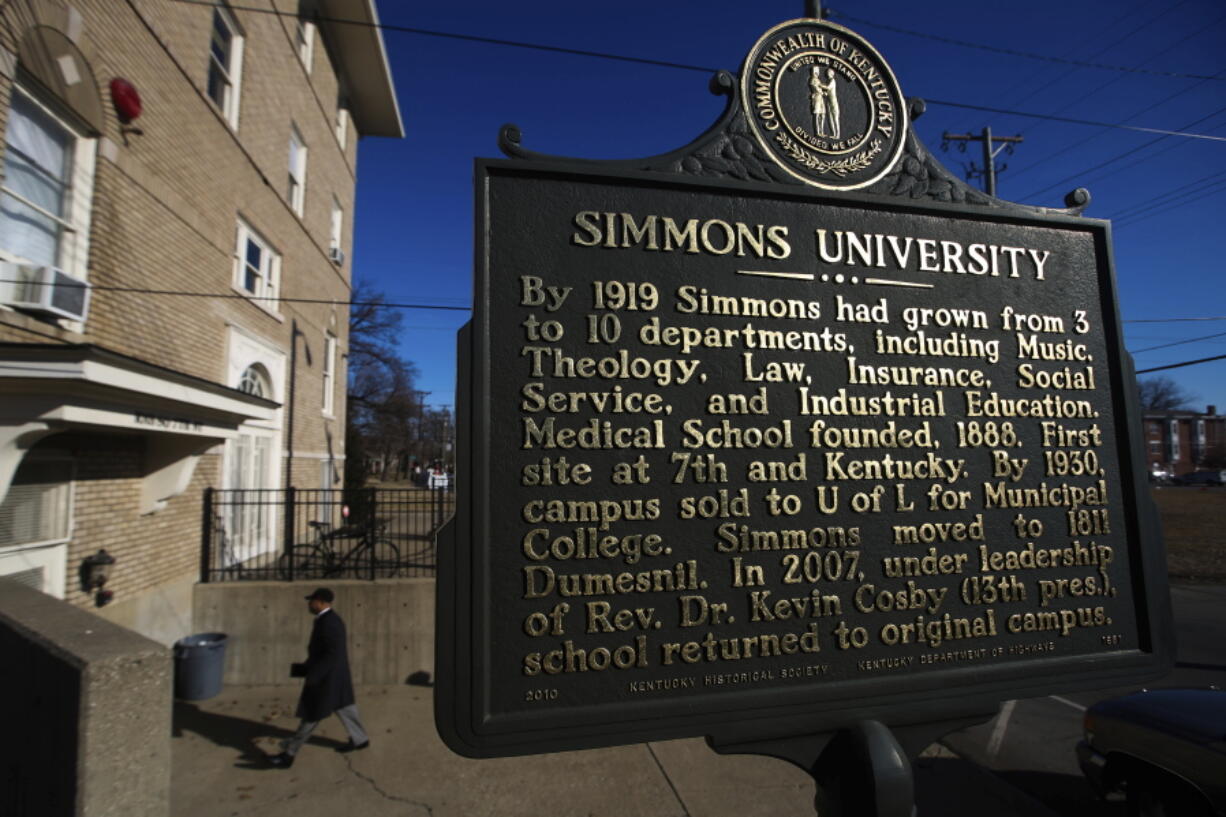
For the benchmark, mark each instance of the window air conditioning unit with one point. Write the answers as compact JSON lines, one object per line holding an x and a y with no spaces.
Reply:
{"x":44,"y":289}
{"x":337,"y":255}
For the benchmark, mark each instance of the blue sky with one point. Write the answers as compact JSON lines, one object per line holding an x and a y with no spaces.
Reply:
{"x":1165,"y":196}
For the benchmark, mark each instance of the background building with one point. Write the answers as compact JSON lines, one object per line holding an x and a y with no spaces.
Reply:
{"x":1180,"y":442}
{"x":175,"y":222}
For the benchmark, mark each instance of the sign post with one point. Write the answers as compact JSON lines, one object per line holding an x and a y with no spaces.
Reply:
{"x":789,"y":439}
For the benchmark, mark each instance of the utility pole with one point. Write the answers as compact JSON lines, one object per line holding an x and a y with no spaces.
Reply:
{"x":988,"y":171}
{"x":813,"y":8}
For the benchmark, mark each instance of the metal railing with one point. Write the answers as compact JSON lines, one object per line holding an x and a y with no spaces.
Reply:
{"x":294,"y":534}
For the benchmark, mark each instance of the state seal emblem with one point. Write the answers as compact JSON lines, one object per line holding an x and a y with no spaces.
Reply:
{"x":824,"y":104}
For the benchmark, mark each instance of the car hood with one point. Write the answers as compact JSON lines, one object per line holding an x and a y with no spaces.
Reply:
{"x":1198,"y":714}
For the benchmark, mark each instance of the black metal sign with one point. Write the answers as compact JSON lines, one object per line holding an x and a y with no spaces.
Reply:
{"x":755,"y":457}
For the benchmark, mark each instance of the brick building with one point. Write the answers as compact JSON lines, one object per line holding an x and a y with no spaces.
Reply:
{"x":150,"y":343}
{"x":1181,"y":442}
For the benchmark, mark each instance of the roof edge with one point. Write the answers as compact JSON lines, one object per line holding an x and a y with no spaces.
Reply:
{"x":356,"y":34}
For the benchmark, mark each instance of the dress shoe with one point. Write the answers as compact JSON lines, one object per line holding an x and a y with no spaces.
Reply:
{"x":281,"y":761}
{"x":353,"y":747}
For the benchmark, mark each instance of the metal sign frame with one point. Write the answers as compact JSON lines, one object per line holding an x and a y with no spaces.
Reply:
{"x":724,"y":164}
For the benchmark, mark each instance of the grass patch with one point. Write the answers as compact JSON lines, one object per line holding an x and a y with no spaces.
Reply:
{"x":1194,"y":528}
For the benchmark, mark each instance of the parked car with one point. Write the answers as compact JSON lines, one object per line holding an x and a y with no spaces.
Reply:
{"x":1214,"y":477}
{"x":1165,"y":749}
{"x":1161,"y":476}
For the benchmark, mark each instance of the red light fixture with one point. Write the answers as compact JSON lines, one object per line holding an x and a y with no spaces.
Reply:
{"x":126,"y":99}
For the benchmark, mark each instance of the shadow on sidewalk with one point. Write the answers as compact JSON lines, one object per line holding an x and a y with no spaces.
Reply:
{"x":239,"y":734}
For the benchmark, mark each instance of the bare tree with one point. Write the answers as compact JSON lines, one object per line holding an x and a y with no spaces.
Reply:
{"x":1164,"y":394}
{"x":382,"y":401}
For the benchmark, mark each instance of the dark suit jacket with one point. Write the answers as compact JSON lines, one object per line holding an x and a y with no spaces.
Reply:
{"x":328,"y":686}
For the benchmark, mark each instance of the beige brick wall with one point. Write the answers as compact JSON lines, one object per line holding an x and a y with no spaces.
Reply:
{"x":167,"y":200}
{"x":165,"y":208}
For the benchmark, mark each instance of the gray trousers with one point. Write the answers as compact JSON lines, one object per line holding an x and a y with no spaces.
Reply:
{"x":348,"y":716}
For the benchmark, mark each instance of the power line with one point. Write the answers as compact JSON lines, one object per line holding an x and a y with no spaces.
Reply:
{"x":666,"y":64}
{"x":1163,"y":101}
{"x":226,"y":295}
{"x":1113,"y":80}
{"x":1178,"y":343}
{"x":1017,"y":86}
{"x":468,"y":37}
{"x":1213,"y":190}
{"x":1071,"y":121}
{"x":337,"y":302}
{"x":1175,"y":320}
{"x":1181,"y":365}
{"x":1081,"y":175}
{"x":1013,"y":52}
{"x":1202,"y":183}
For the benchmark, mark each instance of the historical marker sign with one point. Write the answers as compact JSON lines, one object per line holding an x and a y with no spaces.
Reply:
{"x":765,"y":459}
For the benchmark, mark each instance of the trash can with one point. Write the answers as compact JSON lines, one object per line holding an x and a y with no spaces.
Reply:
{"x":200,"y":661}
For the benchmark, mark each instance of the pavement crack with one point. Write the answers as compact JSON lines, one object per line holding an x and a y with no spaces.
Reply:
{"x":669,"y":780}
{"x":385,"y":795}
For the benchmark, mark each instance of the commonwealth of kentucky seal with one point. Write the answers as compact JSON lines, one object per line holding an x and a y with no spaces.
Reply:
{"x":824,"y":104}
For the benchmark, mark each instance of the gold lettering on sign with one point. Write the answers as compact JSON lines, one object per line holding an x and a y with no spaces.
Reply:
{"x":743,"y":444}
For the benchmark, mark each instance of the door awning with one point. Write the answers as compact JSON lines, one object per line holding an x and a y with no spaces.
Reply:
{"x":51,"y":388}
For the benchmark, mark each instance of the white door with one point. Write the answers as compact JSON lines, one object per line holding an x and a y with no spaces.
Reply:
{"x":250,"y":517}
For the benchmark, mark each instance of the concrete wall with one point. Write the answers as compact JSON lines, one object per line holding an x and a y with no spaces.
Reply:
{"x":86,"y":706}
{"x":390,"y":625}
{"x":163,"y":613}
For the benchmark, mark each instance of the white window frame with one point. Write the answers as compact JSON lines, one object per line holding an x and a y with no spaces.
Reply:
{"x":297,"y":171}
{"x":329,"y":373}
{"x":342,"y":122}
{"x":66,"y":502}
{"x":1173,"y":427}
{"x":231,"y":73}
{"x":72,"y":244}
{"x":48,"y":556}
{"x":267,"y":284}
{"x":336,"y":232}
{"x":304,"y":36}
{"x":252,"y":529}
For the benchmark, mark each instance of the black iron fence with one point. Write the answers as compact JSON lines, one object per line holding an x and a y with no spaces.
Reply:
{"x":294,"y":533}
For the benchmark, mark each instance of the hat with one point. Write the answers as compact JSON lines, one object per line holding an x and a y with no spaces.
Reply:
{"x":321,"y":593}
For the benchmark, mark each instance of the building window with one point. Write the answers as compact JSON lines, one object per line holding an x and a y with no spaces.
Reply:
{"x":328,"y":508}
{"x":342,"y":122}
{"x":304,"y":37}
{"x":249,"y":526}
{"x":38,"y":506}
{"x":297,"y":171}
{"x":1173,"y":427}
{"x":329,"y":368}
{"x":255,"y":381}
{"x":47,"y":186}
{"x":336,"y":233}
{"x":257,"y":268}
{"x":225,"y":64}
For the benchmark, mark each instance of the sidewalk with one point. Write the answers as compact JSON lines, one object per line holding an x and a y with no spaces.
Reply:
{"x":219,"y":769}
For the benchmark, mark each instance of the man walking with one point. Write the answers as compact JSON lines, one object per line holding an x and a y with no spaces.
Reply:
{"x":328,"y":686}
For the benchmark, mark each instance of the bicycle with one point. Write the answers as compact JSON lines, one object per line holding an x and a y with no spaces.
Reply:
{"x":321,"y":559}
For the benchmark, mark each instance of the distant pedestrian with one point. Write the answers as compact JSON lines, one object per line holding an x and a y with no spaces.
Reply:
{"x":328,"y":687}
